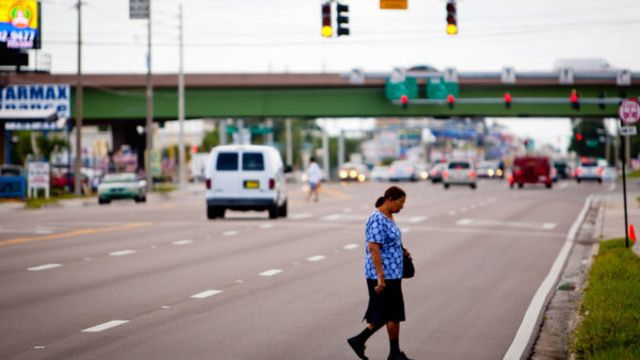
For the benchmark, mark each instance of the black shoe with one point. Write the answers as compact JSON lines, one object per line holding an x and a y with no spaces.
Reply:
{"x":357,"y":347}
{"x":400,"y":356}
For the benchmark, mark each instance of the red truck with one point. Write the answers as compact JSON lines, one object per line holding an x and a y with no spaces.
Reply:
{"x":531,"y":170}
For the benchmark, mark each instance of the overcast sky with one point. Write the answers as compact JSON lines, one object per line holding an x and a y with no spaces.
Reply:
{"x":284,"y":35}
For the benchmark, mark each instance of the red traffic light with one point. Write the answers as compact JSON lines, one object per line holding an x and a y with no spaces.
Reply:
{"x":451,"y":100}
{"x":404,"y":100}
{"x":579,"y":136}
{"x":507,"y":99}
{"x":575,"y":99}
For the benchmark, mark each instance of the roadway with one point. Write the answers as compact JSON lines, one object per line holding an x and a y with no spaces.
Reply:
{"x":158,"y":280}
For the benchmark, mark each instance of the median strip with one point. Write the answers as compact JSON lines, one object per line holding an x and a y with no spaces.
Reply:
{"x":74,"y":233}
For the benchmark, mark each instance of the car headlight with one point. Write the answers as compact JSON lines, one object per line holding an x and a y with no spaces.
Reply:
{"x":343,"y":174}
{"x":362,"y":178}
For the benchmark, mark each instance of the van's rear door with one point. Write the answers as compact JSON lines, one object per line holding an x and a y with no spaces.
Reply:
{"x":254,"y":174}
{"x":226,"y":174}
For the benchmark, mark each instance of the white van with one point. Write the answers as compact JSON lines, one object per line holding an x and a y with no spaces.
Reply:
{"x":245,"y":177}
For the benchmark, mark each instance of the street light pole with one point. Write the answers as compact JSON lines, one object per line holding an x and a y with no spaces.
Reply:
{"x":181,"y":160}
{"x":77,"y":168}
{"x":149,"y":122}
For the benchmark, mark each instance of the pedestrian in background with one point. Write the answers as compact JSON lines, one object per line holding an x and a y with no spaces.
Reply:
{"x":314,"y":176}
{"x":383,"y":270}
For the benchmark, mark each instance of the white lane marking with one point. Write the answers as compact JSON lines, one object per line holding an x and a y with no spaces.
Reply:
{"x":44,"y":267}
{"x":480,"y":222}
{"x":105,"y":326}
{"x":122,"y":253}
{"x":563,"y":186}
{"x":332,"y":217}
{"x":473,"y":206}
{"x":206,"y":294}
{"x":299,"y":216}
{"x":405,"y":230}
{"x":416,"y":219}
{"x":165,"y":307}
{"x":533,"y":316}
{"x":351,"y":246}
{"x":316,"y":258}
{"x":182,"y":242}
{"x":451,"y":213}
{"x":39,"y":347}
{"x":230,"y":233}
{"x":270,"y":272}
{"x":26,"y":231}
{"x":266,"y":226}
{"x":239,"y":281}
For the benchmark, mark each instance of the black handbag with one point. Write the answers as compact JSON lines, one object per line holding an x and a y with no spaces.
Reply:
{"x":408,"y":270}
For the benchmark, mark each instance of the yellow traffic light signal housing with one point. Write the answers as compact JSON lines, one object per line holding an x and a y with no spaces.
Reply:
{"x":327,"y":29}
{"x":452,"y":18}
{"x":342,"y":18}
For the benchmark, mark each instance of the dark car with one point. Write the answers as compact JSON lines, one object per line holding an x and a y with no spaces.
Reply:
{"x":531,"y":170}
{"x":562,"y":170}
{"x":435,"y":173}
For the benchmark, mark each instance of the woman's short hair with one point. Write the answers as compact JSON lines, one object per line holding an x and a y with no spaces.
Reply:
{"x":392,"y":193}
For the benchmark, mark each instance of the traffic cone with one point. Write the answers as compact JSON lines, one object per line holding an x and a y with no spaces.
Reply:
{"x":632,"y":233}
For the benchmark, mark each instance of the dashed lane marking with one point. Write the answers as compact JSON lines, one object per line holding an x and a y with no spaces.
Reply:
{"x":182,"y":242}
{"x":73,"y":233}
{"x":105,"y":326}
{"x":230,"y":233}
{"x":416,"y":219}
{"x":316,"y":258}
{"x":122,"y":253}
{"x":44,"y":267}
{"x":266,"y":226}
{"x":270,"y":272}
{"x":206,"y":294}
{"x":351,"y":246}
{"x":480,"y":222}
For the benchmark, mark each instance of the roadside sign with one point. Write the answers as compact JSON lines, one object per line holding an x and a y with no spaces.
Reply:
{"x":138,"y":9}
{"x":629,"y":111}
{"x":628,"y":130}
{"x":38,"y":178}
{"x":393,"y":4}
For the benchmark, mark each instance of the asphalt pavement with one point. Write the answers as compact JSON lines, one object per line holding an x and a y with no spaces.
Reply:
{"x":159,"y":280}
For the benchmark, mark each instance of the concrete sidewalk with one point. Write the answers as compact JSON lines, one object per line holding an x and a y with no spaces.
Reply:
{"x":612,"y":217}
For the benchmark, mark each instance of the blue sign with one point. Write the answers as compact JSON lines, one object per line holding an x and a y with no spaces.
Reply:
{"x":38,"y":97}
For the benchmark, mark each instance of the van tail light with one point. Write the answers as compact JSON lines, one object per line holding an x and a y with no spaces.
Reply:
{"x":272,"y":184}
{"x":445,"y":174}
{"x":208,"y":182}
{"x":600,"y":171}
{"x":579,"y":171}
{"x":472,"y":174}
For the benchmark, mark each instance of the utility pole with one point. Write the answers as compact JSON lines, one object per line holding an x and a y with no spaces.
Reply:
{"x":325,"y":152}
{"x":289,"y":142}
{"x":181,"y":159}
{"x":341,"y":149}
{"x":77,"y":168}
{"x":149,"y":122}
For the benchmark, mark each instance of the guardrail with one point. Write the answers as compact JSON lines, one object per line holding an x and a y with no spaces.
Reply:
{"x":13,"y":187}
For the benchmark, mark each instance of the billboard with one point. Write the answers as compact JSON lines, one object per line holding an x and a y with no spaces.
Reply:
{"x":20,"y":24}
{"x":37,"y":97}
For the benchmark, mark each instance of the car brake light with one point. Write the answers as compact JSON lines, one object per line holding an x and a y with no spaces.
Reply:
{"x":208,"y":182}
{"x":272,"y":184}
{"x":579,"y":171}
{"x":445,"y":174}
{"x":472,"y":174}
{"x":600,"y":171}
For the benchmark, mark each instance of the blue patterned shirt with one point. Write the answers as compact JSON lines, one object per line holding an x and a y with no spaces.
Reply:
{"x":381,"y":230}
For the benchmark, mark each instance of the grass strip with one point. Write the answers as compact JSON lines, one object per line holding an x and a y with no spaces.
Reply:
{"x":610,"y":328}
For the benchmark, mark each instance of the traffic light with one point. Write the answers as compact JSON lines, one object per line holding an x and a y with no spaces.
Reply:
{"x":575,"y":99}
{"x":601,"y":103}
{"x":404,"y":100}
{"x":579,"y":137}
{"x":452,"y":18}
{"x":451,"y":100}
{"x":342,"y":19}
{"x":327,"y":30}
{"x":507,"y":100}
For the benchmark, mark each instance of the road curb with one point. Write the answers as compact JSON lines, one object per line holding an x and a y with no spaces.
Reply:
{"x":523,"y":342}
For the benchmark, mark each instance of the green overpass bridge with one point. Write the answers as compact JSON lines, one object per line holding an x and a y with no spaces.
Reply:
{"x":114,"y":98}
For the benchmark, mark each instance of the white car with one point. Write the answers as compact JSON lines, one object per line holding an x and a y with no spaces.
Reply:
{"x":402,"y":170}
{"x":245,"y":177}
{"x":459,"y":172}
{"x":122,"y":186}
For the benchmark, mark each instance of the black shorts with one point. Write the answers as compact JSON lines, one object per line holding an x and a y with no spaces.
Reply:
{"x":386,"y":306}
